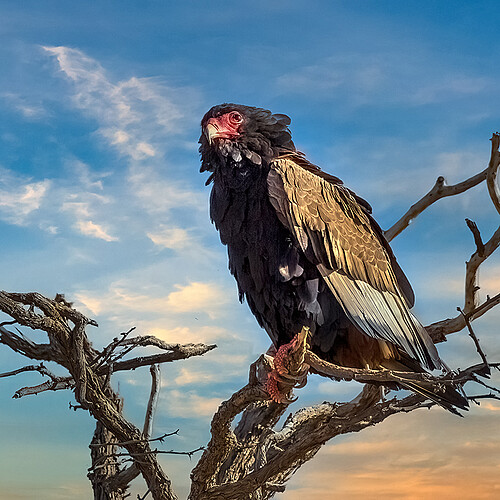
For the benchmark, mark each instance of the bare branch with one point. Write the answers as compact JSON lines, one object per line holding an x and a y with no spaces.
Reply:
{"x":471,"y":309}
{"x":181,"y":352}
{"x":135,"y":441}
{"x":491,"y":179}
{"x":363,"y":375}
{"x":483,"y":396}
{"x":54,"y":384}
{"x":31,"y":368}
{"x":26,"y":347}
{"x":301,"y":438}
{"x":438,"y":191}
{"x":69,"y":346}
{"x":223,"y":438}
{"x":477,"y":236}
{"x":150,"y":340}
{"x":110,"y":348}
{"x":472,"y":335}
{"x":440,"y":329}
{"x":248,"y":459}
{"x":49,"y":385}
{"x":148,"y":453}
{"x":153,"y":399}
{"x":80,"y":369}
{"x":388,"y":376}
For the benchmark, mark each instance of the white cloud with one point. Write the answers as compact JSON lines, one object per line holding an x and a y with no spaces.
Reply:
{"x":141,"y":119}
{"x":92,"y":303}
{"x":134,"y":115}
{"x":93,"y":230}
{"x":175,"y":238}
{"x":30,"y":110}
{"x":203,"y":334}
{"x":202,"y":297}
{"x":120,"y":298}
{"x":131,"y":296}
{"x":490,"y":407}
{"x":190,"y":404}
{"x":449,"y":87}
{"x":49,"y":228}
{"x":88,"y":179}
{"x":19,"y":197}
{"x":193,"y":377}
{"x":158,"y":195}
{"x":85,"y":207}
{"x":456,"y":166}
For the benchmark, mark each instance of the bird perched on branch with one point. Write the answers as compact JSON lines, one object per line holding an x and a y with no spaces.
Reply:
{"x":306,"y":252}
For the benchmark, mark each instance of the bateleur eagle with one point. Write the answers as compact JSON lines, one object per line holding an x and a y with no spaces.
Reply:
{"x":306,"y":252}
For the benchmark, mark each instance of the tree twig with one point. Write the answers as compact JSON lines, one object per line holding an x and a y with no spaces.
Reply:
{"x":473,"y":336}
{"x":492,"y":172}
{"x":153,"y":399}
{"x":438,"y":191}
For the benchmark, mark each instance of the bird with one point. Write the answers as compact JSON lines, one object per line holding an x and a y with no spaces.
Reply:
{"x":306,"y":251}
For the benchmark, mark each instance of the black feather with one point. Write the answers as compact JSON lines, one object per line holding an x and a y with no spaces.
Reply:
{"x":305,"y":251}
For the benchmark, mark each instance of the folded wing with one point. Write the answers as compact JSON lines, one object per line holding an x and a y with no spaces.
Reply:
{"x":337,"y":234}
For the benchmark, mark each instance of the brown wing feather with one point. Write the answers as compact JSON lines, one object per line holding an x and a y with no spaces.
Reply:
{"x":336,"y":234}
{"x":335,"y":222}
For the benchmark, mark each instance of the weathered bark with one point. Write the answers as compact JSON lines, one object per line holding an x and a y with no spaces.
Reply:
{"x":89,"y":373}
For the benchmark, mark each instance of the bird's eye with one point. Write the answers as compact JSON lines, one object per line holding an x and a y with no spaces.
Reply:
{"x":235,"y":117}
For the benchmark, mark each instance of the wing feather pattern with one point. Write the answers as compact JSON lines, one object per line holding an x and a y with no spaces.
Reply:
{"x":337,"y":234}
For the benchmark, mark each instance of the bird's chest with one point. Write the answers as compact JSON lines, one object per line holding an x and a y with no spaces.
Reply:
{"x":248,"y":225}
{"x":241,"y":211}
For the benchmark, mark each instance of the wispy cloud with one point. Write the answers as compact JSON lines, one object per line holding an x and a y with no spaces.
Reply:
{"x":127,"y":296}
{"x":138,"y":118}
{"x":134,"y":115}
{"x":174,"y":238}
{"x":30,"y":110}
{"x":84,"y":207}
{"x":52,"y":204}
{"x":20,"y":197}
{"x":190,"y":404}
{"x":122,"y":299}
{"x":202,"y":333}
{"x":197,"y":297}
{"x":93,"y":230}
{"x":159,"y":195}
{"x":362,"y":78}
{"x":196,"y":377}
{"x":88,"y":179}
{"x":141,"y":119}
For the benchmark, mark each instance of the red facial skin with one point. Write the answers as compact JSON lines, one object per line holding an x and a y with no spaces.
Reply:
{"x":225,"y":126}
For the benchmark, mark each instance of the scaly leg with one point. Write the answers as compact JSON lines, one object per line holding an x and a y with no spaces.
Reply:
{"x":289,"y":369}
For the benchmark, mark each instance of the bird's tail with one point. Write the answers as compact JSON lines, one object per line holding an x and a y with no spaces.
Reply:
{"x":449,"y":397}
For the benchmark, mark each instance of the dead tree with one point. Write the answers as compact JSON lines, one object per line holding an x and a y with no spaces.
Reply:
{"x":89,"y":376}
{"x":255,"y":460}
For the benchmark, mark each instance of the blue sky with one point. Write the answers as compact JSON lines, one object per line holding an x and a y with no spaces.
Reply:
{"x":101,"y":199}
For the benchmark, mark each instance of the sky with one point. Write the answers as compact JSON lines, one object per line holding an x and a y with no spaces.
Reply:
{"x":101,"y":199}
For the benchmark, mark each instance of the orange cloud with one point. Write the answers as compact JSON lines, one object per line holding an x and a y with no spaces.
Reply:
{"x":423,"y":455}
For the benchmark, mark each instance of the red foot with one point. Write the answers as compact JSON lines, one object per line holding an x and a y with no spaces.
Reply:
{"x":271,"y":387}
{"x":289,"y":369}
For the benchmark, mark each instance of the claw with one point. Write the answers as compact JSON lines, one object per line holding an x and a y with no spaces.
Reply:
{"x":289,"y":369}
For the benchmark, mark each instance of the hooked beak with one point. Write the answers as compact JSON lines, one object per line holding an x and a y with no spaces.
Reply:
{"x":211,"y":132}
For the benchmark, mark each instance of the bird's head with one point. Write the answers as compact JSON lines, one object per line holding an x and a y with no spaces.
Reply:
{"x":242,"y":133}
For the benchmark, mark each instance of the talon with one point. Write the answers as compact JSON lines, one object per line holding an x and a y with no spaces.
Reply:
{"x":288,"y":369}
